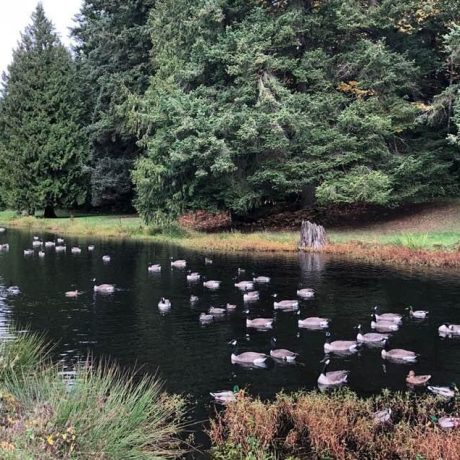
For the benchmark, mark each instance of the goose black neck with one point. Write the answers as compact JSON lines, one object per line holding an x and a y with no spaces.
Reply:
{"x":326,"y":365}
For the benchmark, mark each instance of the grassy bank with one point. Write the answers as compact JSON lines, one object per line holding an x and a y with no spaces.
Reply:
{"x":101,"y":413}
{"x":335,"y":426}
{"x":431,"y":239}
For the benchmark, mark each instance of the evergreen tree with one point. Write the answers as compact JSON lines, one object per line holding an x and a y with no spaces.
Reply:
{"x":42,"y":148}
{"x":113,"y":59}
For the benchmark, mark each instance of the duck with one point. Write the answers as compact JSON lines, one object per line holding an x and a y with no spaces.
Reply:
{"x":392,"y":317}
{"x":206,"y":318}
{"x":35,"y":238}
{"x":91,"y":247}
{"x":417,"y":380}
{"x":259,"y":323}
{"x":313,"y":322}
{"x":217,"y":311}
{"x":248,"y":357}
{"x":104,"y":288}
{"x":306,"y":293}
{"x":106,"y":258}
{"x":2,"y":229}
{"x":75,"y":250}
{"x":286,"y":305}
{"x":50,"y":244}
{"x":207,"y":261}
{"x":194,"y":299}
{"x":36,"y":243}
{"x":60,"y":240}
{"x":398,"y":354}
{"x":383,"y":326}
{"x":448,"y":423}
{"x":382,"y":416}
{"x":225,"y":396}
{"x":340,"y":346}
{"x":178,"y":263}
{"x":28,"y":252}
{"x":281,"y":353}
{"x":73,"y":294}
{"x":443,"y":391}
{"x":417,"y":314}
{"x":60,"y":248}
{"x":4,"y":247}
{"x":332,"y":378}
{"x":371,"y":337}
{"x":230,"y":307}
{"x":193,"y":276}
{"x":449,"y":329}
{"x":154,"y":268}
{"x":164,"y":303}
{"x":245,"y":285}
{"x":212,"y":284}
{"x":251,"y":296}
{"x":41,"y":253}
{"x":261,"y":279}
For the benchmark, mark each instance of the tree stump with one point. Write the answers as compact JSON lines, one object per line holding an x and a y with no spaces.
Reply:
{"x":312,"y":236}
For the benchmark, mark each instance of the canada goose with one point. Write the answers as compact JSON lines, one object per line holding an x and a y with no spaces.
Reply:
{"x":103,"y":288}
{"x":106,"y":258}
{"x":212,"y":284}
{"x":154,"y":268}
{"x":282,"y":353}
{"x":333,"y":378}
{"x":286,"y":305}
{"x":226,"y":396}
{"x":178,"y":263}
{"x":449,"y":329}
{"x":382,"y":416}
{"x":383,"y":326}
{"x":230,"y":307}
{"x":251,"y":296}
{"x":444,"y":391}
{"x":73,"y":294}
{"x":41,"y":253}
{"x":28,"y":252}
{"x":60,"y":240}
{"x":398,"y":354}
{"x":207,"y":261}
{"x":306,"y":293}
{"x":194,"y":299}
{"x":449,"y":422}
{"x":75,"y":250}
{"x":245,"y":285}
{"x":13,"y":290}
{"x":248,"y":357}
{"x":206,"y":318}
{"x":314,"y":322}
{"x":193,"y":276}
{"x":261,"y":279}
{"x":371,"y":337}
{"x":217,"y":311}
{"x":339,"y":346}
{"x":418,"y":314}
{"x":417,"y":380}
{"x":50,"y":244}
{"x":91,"y":247}
{"x":60,"y":248}
{"x":164,"y":303}
{"x":259,"y":323}
{"x":36,"y":244}
{"x":392,"y":317}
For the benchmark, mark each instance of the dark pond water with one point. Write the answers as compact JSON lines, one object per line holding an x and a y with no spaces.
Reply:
{"x":193,"y":359}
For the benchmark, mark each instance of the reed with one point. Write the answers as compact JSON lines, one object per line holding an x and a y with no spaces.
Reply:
{"x":101,"y":413}
{"x":338,"y":425}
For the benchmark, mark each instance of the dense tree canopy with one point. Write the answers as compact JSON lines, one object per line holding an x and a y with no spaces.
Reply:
{"x":42,"y":148}
{"x":113,"y":59}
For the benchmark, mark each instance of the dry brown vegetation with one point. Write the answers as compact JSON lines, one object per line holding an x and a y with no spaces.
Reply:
{"x":334,"y":426}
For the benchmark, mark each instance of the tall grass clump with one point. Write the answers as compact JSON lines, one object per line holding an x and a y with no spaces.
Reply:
{"x":102,"y":413}
{"x":337,"y":425}
{"x":412,"y":241}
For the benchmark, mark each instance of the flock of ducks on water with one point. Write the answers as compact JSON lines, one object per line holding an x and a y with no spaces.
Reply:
{"x":383,"y":323}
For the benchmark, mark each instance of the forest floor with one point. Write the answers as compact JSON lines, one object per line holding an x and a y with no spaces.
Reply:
{"x":418,"y":235}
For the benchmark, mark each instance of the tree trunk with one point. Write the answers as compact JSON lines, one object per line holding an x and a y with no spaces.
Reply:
{"x":49,"y":212}
{"x":312,"y":236}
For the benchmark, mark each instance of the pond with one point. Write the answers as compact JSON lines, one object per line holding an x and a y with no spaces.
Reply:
{"x":194,"y":359}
